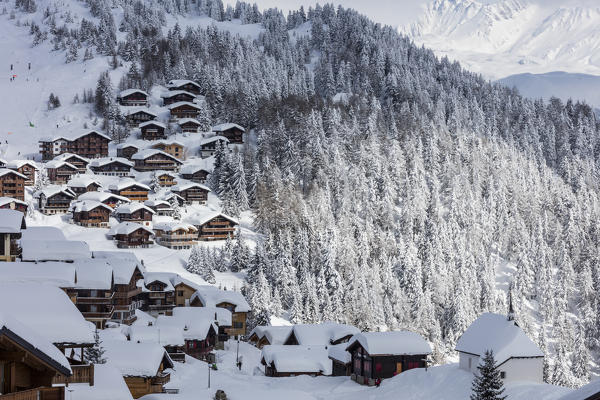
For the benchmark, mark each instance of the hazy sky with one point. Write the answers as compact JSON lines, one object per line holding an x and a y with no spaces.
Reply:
{"x":389,"y":12}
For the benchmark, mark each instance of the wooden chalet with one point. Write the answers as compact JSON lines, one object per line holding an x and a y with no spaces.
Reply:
{"x":189,"y":125}
{"x":184,"y":290}
{"x":154,"y":160}
{"x":170,"y":337}
{"x":172,"y":147}
{"x":110,"y":199}
{"x":160,"y":207}
{"x":381,"y":355}
{"x":112,"y":166}
{"x":201,"y":329}
{"x":233,"y":301}
{"x":126,"y":150}
{"x":53,"y":146}
{"x":195,"y":173}
{"x":214,"y":225}
{"x":131,"y":234}
{"x":83,"y":184}
{"x":143,"y":365}
{"x":29,"y":363}
{"x":286,"y":361}
{"x":153,"y":130}
{"x":24,"y":167}
{"x":262,"y":336}
{"x":11,"y":224}
{"x":165,"y":178}
{"x":174,"y":197}
{"x":60,"y":172}
{"x":135,"y":212}
{"x":158,"y":294}
{"x":131,"y":189}
{"x":176,"y":235}
{"x":91,"y":214}
{"x":9,"y":203}
{"x":54,"y":200}
{"x":233,"y":132}
{"x":208,"y":146}
{"x":138,"y":116}
{"x":132,"y":97}
{"x":12,"y":184}
{"x":91,"y":144}
{"x":79,"y":162}
{"x":176,"y":96}
{"x":184,"y":109}
{"x":193,"y":193}
{"x":184,"y":85}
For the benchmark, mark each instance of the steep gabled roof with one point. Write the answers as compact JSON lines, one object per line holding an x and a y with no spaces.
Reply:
{"x":322,"y":334}
{"x":226,"y":126}
{"x":100,"y":162}
{"x":53,"y":190}
{"x":175,"y":83}
{"x":173,"y":226}
{"x":391,"y":343}
{"x":66,"y":156}
{"x":173,"y":93}
{"x":144,"y":154}
{"x":132,"y":207}
{"x":214,"y":139}
{"x":125,"y":183}
{"x":6,"y":171}
{"x":127,"y":228}
{"x":155,"y":123}
{"x":193,"y":168}
{"x":204,"y":216}
{"x":82,"y":181}
{"x":190,"y":185}
{"x":183,"y":103}
{"x":7,"y":200}
{"x":129,"y":92}
{"x":11,"y":221}
{"x":297,"y":359}
{"x":89,"y":205}
{"x":495,"y":332}
{"x":60,"y":163}
{"x":102,"y":197}
{"x":211,"y":296}
{"x":135,"y":110}
{"x":15,"y":164}
{"x":188,"y":121}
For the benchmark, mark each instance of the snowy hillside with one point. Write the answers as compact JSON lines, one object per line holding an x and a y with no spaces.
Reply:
{"x":504,"y":37}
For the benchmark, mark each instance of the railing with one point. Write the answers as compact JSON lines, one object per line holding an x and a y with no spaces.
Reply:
{"x":80,"y":374}
{"x":131,"y":293}
{"x":94,"y":300}
{"x":97,"y":314}
{"x":52,"y":393}
{"x":161,"y":379}
{"x":179,"y":357}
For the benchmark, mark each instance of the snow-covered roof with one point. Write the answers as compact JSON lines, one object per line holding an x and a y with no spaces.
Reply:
{"x":57,"y":274}
{"x":391,"y":343}
{"x":143,"y":318}
{"x":205,"y":215}
{"x":11,"y":221}
{"x":495,"y":332}
{"x":82,"y":181}
{"x":183,"y":103}
{"x":140,"y":109}
{"x":132,"y":207}
{"x":214,"y":314}
{"x":180,"y":82}
{"x":127,"y":228}
{"x":89,"y":205}
{"x":101,"y":162}
{"x":226,"y":126}
{"x":93,"y":274}
{"x":136,"y":359}
{"x":7,"y":200}
{"x":194,"y":324}
{"x":80,"y":135}
{"x":274,"y":334}
{"x":210,"y":296}
{"x":163,"y":277}
{"x":172,"y":93}
{"x":163,"y":335}
{"x":189,"y":185}
{"x":585,"y":392}
{"x":296,"y":359}
{"x":171,"y":226}
{"x":42,"y":233}
{"x":213,"y":139}
{"x":6,"y":171}
{"x":168,"y":143}
{"x":156,"y":123}
{"x":108,"y":384}
{"x":54,"y":250}
{"x":144,"y":154}
{"x":66,"y":156}
{"x":322,"y":334}
{"x":126,"y":145}
{"x":128,"y":92}
{"x":193,"y":168}
{"x":31,"y":340}
{"x":188,"y":121}
{"x":125,"y":183}
{"x":48,"y":311}
{"x":123,"y":264}
{"x":338,"y":352}
{"x":53,"y":190}
{"x":102,"y":196}
{"x":156,"y":203}
{"x":60,"y":163}
{"x":15,"y":164}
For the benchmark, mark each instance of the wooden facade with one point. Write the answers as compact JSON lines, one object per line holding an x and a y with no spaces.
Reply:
{"x":9,"y":245}
{"x":217,"y":228}
{"x":184,"y":85}
{"x":112,"y":167}
{"x":177,"y":238}
{"x":51,"y":147}
{"x":189,"y":125}
{"x":175,"y":149}
{"x":166,"y":179}
{"x":184,"y":110}
{"x":61,"y":173}
{"x":27,"y":169}
{"x":153,"y":130}
{"x":176,"y":96}
{"x":56,"y":203}
{"x":12,"y":184}
{"x":138,"y":238}
{"x":142,"y":216}
{"x":200,"y":349}
{"x":158,"y":299}
{"x":133,"y":192}
{"x":96,"y":306}
{"x":198,"y":176}
{"x":157,"y":161}
{"x":8,"y":203}
{"x":133,"y":97}
{"x":96,"y":217}
{"x":90,"y":145}
{"x":81,"y":189}
{"x":192,"y":194}
{"x":367,"y":368}
{"x":138,"y":117}
{"x":127,"y":150}
{"x":127,"y":299}
{"x":79,"y":162}
{"x":234,"y":133}
{"x":238,"y":319}
{"x":183,"y":294}
{"x":208,"y":147}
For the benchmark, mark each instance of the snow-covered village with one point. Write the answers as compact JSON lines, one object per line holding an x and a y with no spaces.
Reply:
{"x":212,"y":199}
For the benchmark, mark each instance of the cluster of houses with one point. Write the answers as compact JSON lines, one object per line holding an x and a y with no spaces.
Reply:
{"x":146,"y":320}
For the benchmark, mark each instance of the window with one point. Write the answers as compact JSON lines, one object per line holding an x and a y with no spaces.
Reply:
{"x":180,"y":293}
{"x":503,"y":374}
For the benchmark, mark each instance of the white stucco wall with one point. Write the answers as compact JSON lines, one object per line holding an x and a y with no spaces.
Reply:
{"x":516,"y":369}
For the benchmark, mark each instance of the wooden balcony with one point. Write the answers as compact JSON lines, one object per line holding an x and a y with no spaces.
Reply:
{"x":43,"y":393}
{"x":161,"y":379}
{"x":94,"y":300}
{"x":81,"y":374}
{"x":98,"y":315}
{"x":126,"y":295}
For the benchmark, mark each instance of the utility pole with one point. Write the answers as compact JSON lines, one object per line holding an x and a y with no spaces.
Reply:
{"x":208,"y":364}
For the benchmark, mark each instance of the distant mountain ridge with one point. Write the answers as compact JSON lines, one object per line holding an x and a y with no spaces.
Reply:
{"x":506,"y":37}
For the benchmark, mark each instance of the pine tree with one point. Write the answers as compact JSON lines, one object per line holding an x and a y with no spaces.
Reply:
{"x":95,"y":354}
{"x":487,"y":385}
